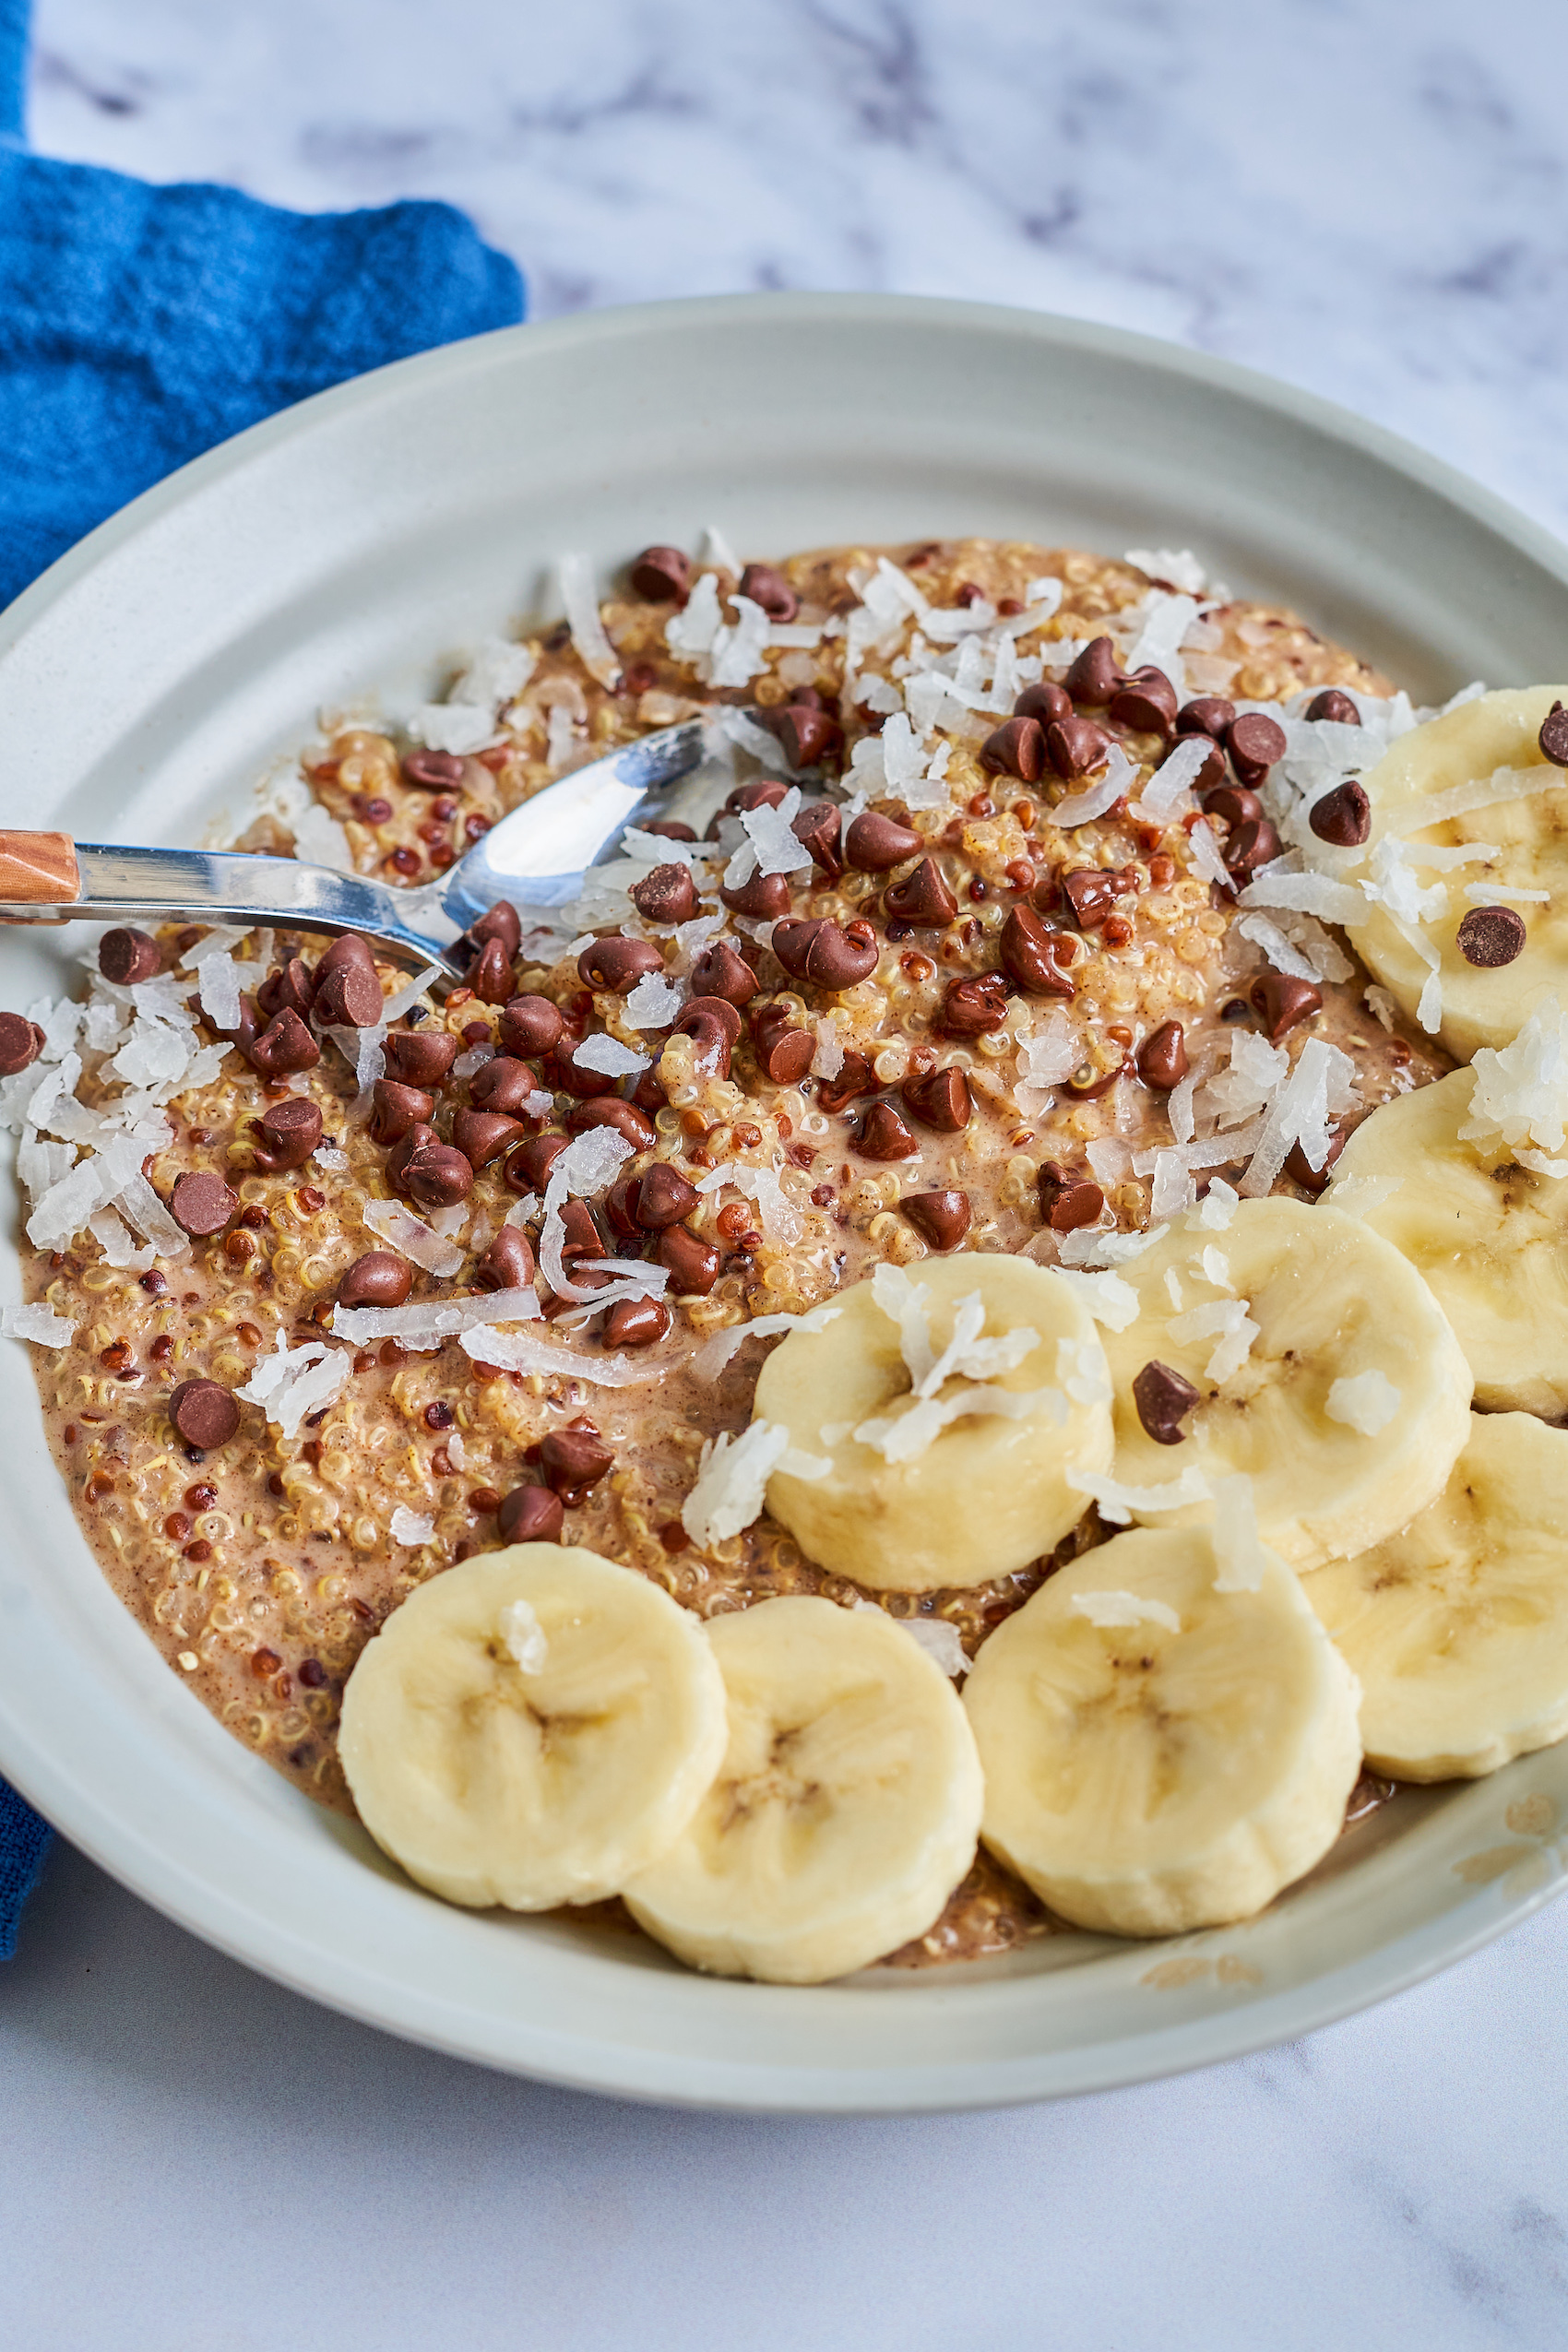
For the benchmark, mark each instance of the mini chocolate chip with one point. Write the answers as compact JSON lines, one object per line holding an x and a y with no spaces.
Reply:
{"x":350,"y":997}
{"x":507,"y":1264}
{"x":771,"y":590}
{"x":528,"y":1170}
{"x":764,"y":897}
{"x":940,"y":1218}
{"x":125,"y":955}
{"x":875,"y":844}
{"x":1094,"y":676}
{"x":1092,"y":893}
{"x":491,"y":978}
{"x":204,"y":1414}
{"x":809,"y":737}
{"x":1254,"y":744}
{"x":530,"y":1025}
{"x":349,"y":947}
{"x":693,"y":1264}
{"x":1016,"y":748}
{"x":606,"y":1110}
{"x":1162,"y":1057}
{"x":1300,"y":1170}
{"x":1252,"y":845}
{"x":783,"y":1049}
{"x":816,"y":830}
{"x":398,"y":1110}
{"x":853,"y":1078}
{"x":1235,"y":1008}
{"x":720,"y":970}
{"x":1342,"y":816}
{"x":1332,"y":704}
{"x":923,"y":899}
{"x":1491,"y":936}
{"x":1147,"y":703}
{"x":1282,"y":1002}
{"x":572,"y":1460}
{"x":662,"y":575}
{"x":1046,"y":703}
{"x":565,"y":1074}
{"x":762,"y":792}
{"x":433,"y":771}
{"x":1077,"y":747}
{"x":637,"y":1322}
{"x":21,"y":1042}
{"x":1553,"y":736}
{"x":1067,"y":1202}
{"x":1234,"y":803}
{"x":884,"y":1135}
{"x":618,"y":963}
{"x":293,"y":985}
{"x":290,"y":1132}
{"x":666,"y":895}
{"x":436,"y":1175}
{"x":1205,"y":715}
{"x":379,"y":1279}
{"x":483,"y":1135}
{"x":422,"y":1058}
{"x":662,"y":1197}
{"x":941,"y":1100}
{"x":669,"y":828}
{"x":531,"y":1514}
{"x":1164,"y":1400}
{"x":1030,"y":955}
{"x":830,"y":955}
{"x":500,"y":921}
{"x":975,"y":1006}
{"x":201,"y":1203}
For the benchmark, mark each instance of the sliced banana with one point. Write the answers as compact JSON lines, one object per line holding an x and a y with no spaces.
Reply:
{"x":1177,"y":1763}
{"x":907,"y":1505}
{"x":1489,"y":1237}
{"x":1331,"y":1302}
{"x":542,"y":1782}
{"x":1529,"y":833}
{"x":1457,"y":1628}
{"x":844,"y":1813}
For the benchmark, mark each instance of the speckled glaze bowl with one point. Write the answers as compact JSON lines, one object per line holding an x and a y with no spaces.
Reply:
{"x":359,"y":541}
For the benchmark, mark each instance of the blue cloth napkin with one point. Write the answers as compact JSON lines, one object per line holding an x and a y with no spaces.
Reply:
{"x":139,"y":326}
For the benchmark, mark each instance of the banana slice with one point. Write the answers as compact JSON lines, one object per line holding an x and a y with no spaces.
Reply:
{"x":1529,"y":835}
{"x":1347,"y":1408}
{"x":970,"y":1480}
{"x":532,"y":1728}
{"x":1158,"y":1756}
{"x":1458,"y":1628}
{"x":1489,"y":1237}
{"x":844,"y":1813}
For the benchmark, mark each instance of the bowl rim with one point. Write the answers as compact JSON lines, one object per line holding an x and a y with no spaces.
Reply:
{"x":161,"y":1877}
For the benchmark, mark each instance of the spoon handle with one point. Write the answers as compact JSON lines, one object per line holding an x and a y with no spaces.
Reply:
{"x":46,"y":877}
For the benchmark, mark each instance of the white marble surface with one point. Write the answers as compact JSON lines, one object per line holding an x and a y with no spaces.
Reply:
{"x":1364,"y":196}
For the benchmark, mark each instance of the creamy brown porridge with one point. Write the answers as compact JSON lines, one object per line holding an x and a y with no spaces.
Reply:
{"x":963,"y":1022}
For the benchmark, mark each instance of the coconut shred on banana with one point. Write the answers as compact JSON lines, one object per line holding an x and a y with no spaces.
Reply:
{"x":959,"y":1350}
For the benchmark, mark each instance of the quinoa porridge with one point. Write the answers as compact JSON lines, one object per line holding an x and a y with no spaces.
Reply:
{"x":998,"y":943}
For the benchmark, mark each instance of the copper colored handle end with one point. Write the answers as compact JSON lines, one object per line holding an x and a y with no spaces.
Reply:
{"x":39,"y":867}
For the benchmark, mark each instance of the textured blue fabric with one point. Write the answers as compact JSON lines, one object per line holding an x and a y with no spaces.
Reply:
{"x":140,"y":325}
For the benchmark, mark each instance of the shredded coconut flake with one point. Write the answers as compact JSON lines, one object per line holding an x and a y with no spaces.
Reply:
{"x":515,"y":1351}
{"x":1227,"y":1320}
{"x":428,"y":1323}
{"x":1366,"y":1401}
{"x":38,"y":1323}
{"x":732,"y":1481}
{"x":714,"y":1354}
{"x":1078,"y":808}
{"x":412,"y":1527}
{"x":1110,"y":1300}
{"x":1520,"y":1094}
{"x":577,"y":594}
{"x":297,"y":1380}
{"x":609,"y":1056}
{"x":1118,"y":1501}
{"x":411,"y":1237}
{"x":1115,"y":1609}
{"x":523,"y":1637}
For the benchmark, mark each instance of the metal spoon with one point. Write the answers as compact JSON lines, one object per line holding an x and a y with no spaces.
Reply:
{"x":535,"y":857}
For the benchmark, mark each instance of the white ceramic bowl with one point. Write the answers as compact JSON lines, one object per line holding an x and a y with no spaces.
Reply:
{"x":359,"y":540}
